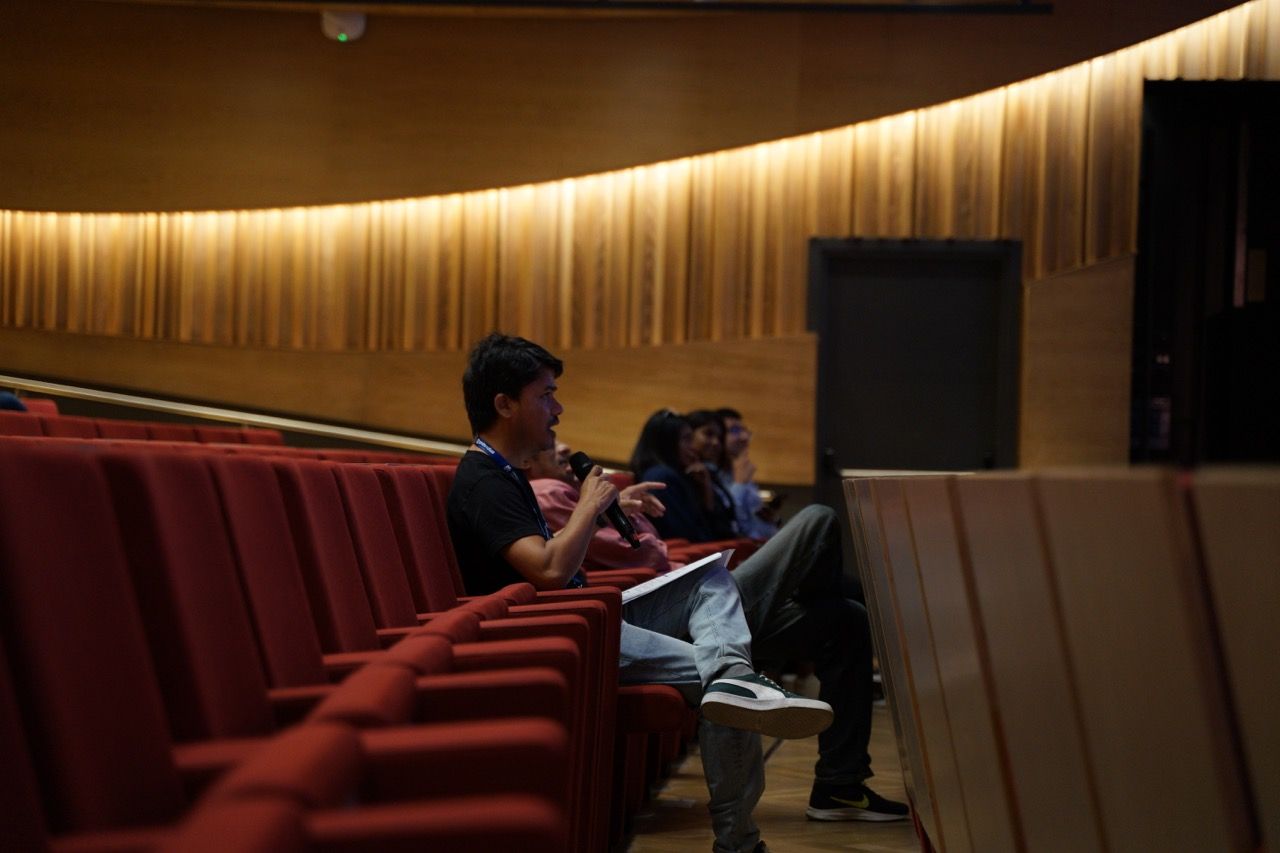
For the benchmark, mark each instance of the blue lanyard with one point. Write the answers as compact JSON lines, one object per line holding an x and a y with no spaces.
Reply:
{"x":510,"y":471}
{"x":578,"y":580}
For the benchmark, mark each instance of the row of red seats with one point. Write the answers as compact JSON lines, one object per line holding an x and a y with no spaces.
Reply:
{"x":149,"y":648}
{"x":257,"y":440}
{"x":72,"y":426}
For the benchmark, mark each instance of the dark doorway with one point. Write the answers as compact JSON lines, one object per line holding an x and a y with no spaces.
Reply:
{"x":1206,"y":335}
{"x":918,"y":353}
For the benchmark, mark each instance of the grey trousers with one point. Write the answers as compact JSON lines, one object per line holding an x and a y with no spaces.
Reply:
{"x":791,"y":595}
{"x":687,"y":634}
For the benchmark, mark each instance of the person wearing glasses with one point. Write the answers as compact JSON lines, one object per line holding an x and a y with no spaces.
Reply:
{"x":737,"y":475}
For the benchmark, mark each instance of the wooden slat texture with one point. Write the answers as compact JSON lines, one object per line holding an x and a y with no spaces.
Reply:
{"x":864,"y":522}
{"x":607,"y":394}
{"x":708,"y":248}
{"x":1138,"y":634}
{"x":1032,"y":685}
{"x":1238,"y":515}
{"x":923,"y":672}
{"x":962,"y":665}
{"x":1076,"y":367}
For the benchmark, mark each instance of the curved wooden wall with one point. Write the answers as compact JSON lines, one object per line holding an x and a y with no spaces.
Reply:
{"x":164,"y":105}
{"x":708,"y":248}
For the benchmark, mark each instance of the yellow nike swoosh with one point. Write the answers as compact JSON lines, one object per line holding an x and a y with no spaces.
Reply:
{"x":857,"y":804}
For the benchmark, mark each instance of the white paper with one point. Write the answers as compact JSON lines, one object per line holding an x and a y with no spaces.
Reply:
{"x":720,"y":558}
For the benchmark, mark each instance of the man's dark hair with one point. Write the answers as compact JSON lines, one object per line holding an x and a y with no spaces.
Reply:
{"x":727,"y":413}
{"x":501,"y":364}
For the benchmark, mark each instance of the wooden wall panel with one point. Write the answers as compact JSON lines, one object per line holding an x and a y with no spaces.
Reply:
{"x":1077,"y":328}
{"x":607,"y":394}
{"x":709,"y":248}
{"x":1114,"y":147}
{"x":705,"y":249}
{"x":1022,"y":187}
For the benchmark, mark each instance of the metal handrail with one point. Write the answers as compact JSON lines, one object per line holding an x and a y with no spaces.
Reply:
{"x":213,"y":413}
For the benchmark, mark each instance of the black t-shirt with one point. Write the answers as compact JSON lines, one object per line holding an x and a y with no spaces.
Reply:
{"x":488,"y":510}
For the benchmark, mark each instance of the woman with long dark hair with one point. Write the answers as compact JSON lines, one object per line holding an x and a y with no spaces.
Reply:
{"x":664,"y":454}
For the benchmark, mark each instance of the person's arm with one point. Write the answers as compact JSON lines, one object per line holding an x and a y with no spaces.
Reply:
{"x":551,"y":563}
{"x":638,"y":500}
{"x":683,"y":518}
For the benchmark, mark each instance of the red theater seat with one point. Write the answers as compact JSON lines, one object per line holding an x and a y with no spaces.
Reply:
{"x":41,"y":406}
{"x":219,"y":435}
{"x":112,"y":428}
{"x":171,"y":432}
{"x":257,"y":435}
{"x":97,"y":722}
{"x":68,"y":426}
{"x":20,"y":423}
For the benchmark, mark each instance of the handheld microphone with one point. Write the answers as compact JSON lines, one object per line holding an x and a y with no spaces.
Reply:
{"x":582,"y":465}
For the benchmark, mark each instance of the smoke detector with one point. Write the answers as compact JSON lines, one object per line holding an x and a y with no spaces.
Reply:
{"x":342,"y":26}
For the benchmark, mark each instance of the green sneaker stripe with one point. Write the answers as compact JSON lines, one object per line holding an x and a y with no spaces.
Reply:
{"x":730,"y":688}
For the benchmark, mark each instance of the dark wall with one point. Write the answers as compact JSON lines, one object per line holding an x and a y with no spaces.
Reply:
{"x":1206,"y":361}
{"x":119,"y":106}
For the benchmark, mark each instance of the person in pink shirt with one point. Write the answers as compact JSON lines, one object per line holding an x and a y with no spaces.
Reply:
{"x":556,"y":489}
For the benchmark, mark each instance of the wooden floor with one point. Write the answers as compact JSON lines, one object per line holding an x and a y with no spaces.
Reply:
{"x":676,"y":821}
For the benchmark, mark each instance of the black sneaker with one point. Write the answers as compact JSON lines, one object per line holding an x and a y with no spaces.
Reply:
{"x":852,"y":802}
{"x":756,"y":704}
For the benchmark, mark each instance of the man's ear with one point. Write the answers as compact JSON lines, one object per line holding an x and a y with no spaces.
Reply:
{"x":504,"y":405}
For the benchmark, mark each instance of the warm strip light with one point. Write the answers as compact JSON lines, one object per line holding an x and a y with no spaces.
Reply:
{"x":711,"y":247}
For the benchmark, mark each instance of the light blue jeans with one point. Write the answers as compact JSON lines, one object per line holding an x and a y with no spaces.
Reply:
{"x":687,"y":634}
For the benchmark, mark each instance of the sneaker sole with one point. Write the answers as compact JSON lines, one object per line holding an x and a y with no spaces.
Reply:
{"x":851,"y":814}
{"x":783,"y":720}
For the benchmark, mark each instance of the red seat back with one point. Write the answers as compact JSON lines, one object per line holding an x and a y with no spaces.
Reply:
{"x":68,"y":426}
{"x":40,"y":405}
{"x":20,"y":423}
{"x":376,"y":547}
{"x":76,"y":649}
{"x":171,"y":432}
{"x":21,"y":813}
{"x":443,"y":476}
{"x":112,"y":428}
{"x":256,"y":435}
{"x":424,"y":546}
{"x":269,"y":571}
{"x":327,"y":555}
{"x":218,"y":434}
{"x":187,"y":587}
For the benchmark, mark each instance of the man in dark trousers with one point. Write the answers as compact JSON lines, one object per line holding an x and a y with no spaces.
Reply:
{"x":691,"y":634}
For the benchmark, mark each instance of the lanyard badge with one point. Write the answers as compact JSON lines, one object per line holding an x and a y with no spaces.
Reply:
{"x":578,"y":580}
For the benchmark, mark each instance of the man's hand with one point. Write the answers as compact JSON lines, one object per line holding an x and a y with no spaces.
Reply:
{"x":637,"y":499}
{"x":596,"y":494}
{"x":744,"y":470}
{"x":550,"y":563}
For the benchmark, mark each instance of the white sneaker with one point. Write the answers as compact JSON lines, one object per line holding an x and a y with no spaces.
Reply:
{"x":756,"y":704}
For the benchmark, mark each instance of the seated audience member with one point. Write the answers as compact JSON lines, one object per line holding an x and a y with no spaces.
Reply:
{"x":737,"y":473}
{"x":708,"y":448}
{"x":690,"y":634}
{"x":556,"y":489}
{"x":664,"y":454}
{"x":795,"y":607}
{"x":9,"y":402}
